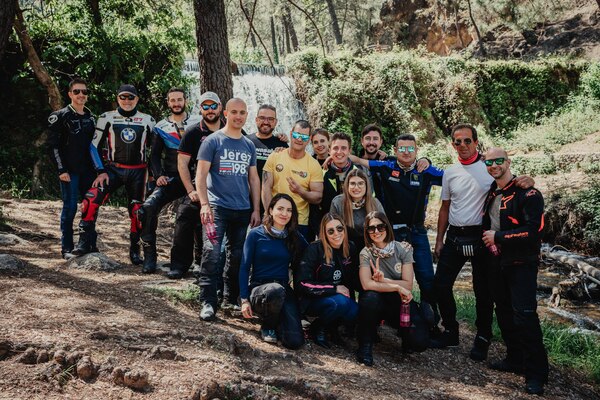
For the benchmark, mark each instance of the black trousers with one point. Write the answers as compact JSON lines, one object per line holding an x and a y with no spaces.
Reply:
{"x":514,"y":293}
{"x":188,"y":230}
{"x":160,"y":197}
{"x":450,"y":263}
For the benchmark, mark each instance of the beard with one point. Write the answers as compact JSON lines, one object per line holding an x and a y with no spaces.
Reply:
{"x":265,"y":129}
{"x":210,"y":118}
{"x":371,"y":152}
{"x":179,"y":112}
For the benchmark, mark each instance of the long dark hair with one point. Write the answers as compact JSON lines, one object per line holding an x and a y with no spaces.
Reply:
{"x":291,"y":226}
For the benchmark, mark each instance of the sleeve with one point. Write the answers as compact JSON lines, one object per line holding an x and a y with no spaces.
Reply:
{"x":102,"y":127}
{"x":186,"y":142}
{"x":156,"y":156}
{"x":337,"y":205}
{"x":270,"y":163}
{"x":445,"y":189}
{"x":55,"y":131}
{"x":307,"y":284}
{"x":364,"y":259}
{"x":252,"y":149}
{"x":529,"y":230}
{"x":378,"y":205}
{"x":435,"y":175}
{"x":206,"y":151}
{"x":246,"y":263}
{"x":377,"y":165}
{"x":406,"y":256}
{"x":315,"y":171}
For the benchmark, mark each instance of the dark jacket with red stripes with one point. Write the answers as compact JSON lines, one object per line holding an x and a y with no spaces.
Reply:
{"x":318,"y":278}
{"x":521,"y":223}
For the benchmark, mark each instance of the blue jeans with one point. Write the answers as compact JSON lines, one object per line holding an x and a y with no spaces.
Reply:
{"x":70,"y":193}
{"x":234,"y":223}
{"x":332,"y":310}
{"x":423,"y":265}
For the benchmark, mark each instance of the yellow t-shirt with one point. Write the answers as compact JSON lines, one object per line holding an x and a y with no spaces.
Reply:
{"x":304,"y":171}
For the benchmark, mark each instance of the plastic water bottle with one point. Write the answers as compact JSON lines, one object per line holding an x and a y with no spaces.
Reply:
{"x":494,"y":250}
{"x":211,"y":232}
{"x":405,"y":315}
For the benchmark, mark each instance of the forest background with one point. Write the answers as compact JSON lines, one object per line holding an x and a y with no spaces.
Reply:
{"x":415,"y":66}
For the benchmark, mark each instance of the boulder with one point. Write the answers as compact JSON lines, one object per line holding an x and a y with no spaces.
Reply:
{"x":94,"y":262}
{"x":10,"y":263}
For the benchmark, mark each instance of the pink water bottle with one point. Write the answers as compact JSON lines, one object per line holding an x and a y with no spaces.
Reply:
{"x":494,"y":250}
{"x":405,"y":315}
{"x":211,"y":232}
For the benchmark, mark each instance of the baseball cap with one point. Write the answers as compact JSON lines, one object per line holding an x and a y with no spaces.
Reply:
{"x":212,"y":96}
{"x":127,"y":89}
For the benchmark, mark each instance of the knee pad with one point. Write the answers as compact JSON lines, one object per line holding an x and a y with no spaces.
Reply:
{"x":134,"y":214}
{"x":92,"y":200}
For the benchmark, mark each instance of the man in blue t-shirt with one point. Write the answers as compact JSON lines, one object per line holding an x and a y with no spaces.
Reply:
{"x":226,"y":180}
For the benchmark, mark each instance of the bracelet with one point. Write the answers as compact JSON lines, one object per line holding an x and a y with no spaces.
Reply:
{"x":244,"y":301}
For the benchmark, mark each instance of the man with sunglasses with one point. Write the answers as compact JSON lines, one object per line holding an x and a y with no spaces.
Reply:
{"x":168,"y":134}
{"x":405,"y":188}
{"x":464,"y":189}
{"x":188,"y":229}
{"x":121,"y":136}
{"x":70,"y":132}
{"x":294,"y":172}
{"x":513,"y":223}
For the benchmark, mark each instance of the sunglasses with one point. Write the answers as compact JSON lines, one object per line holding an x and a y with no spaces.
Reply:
{"x":268,"y":119}
{"x":207,"y":107}
{"x":302,"y":136}
{"x":378,"y":228}
{"x":410,"y":149}
{"x":126,"y":97}
{"x":84,"y":92}
{"x":339,"y":228}
{"x":467,"y":141}
{"x":498,"y":161}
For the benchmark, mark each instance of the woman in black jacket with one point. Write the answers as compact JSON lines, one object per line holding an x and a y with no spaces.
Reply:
{"x":326,"y":279}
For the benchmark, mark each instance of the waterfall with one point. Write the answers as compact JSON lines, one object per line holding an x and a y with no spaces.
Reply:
{"x":257,"y":85}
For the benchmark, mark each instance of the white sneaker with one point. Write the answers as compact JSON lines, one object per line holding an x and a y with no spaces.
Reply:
{"x":207,"y":313}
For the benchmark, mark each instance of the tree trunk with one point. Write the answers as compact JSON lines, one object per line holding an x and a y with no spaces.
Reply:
{"x":94,"y":7}
{"x":334,"y":22}
{"x":479,"y":42}
{"x":286,"y":35}
{"x":250,"y":31}
{"x":274,"y":41}
{"x":289,"y":27}
{"x":213,"y":48}
{"x":7,"y":17}
{"x":54,"y":98}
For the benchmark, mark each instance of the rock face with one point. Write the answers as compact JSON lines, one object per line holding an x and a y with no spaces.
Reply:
{"x":415,"y":22}
{"x":10,"y":263}
{"x":95,"y":262}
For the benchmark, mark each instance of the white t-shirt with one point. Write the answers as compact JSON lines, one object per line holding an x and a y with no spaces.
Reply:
{"x":466,"y":186}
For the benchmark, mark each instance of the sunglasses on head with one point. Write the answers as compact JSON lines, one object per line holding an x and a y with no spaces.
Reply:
{"x":378,"y":228}
{"x":84,"y":92}
{"x":498,"y":161}
{"x":126,"y":97}
{"x":207,"y":107}
{"x":467,"y":141}
{"x":302,"y":136}
{"x":410,"y":149}
{"x":339,"y":228}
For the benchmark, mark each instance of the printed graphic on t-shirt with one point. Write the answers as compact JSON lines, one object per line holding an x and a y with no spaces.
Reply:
{"x":234,"y":162}
{"x":262,"y":153}
{"x":301,"y":174}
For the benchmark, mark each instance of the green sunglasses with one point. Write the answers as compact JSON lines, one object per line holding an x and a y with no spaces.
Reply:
{"x":498,"y":161}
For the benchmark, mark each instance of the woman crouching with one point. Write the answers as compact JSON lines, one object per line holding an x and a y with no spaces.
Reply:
{"x":386,"y":275}
{"x":269,"y":251}
{"x":326,"y":280}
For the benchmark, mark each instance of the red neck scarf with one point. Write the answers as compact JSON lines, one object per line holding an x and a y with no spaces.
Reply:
{"x":470,"y":160}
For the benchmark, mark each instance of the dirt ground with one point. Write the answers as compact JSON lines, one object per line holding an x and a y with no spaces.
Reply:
{"x":114,"y":319}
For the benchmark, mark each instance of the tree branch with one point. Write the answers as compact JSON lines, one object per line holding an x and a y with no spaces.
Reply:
{"x":313,"y":23}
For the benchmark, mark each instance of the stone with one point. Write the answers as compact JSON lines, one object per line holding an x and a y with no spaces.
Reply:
{"x":9,"y":239}
{"x":27,"y":357}
{"x":94,"y":262}
{"x":86,"y":369}
{"x":10,"y":263}
{"x":42,"y":357}
{"x":136,"y":379}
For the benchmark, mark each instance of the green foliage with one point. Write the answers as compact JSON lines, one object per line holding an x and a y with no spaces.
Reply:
{"x":138,"y":45}
{"x":188,"y":295}
{"x":590,"y":81}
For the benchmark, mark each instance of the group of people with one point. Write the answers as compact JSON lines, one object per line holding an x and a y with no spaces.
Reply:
{"x":334,"y":238}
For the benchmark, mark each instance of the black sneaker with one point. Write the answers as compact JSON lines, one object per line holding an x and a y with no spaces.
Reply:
{"x":507,"y":366}
{"x":207,"y":313}
{"x":446,"y":339}
{"x":534,"y":386}
{"x":480,"y":348}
